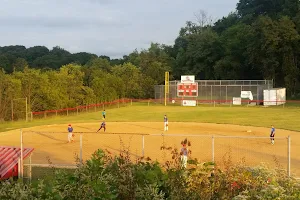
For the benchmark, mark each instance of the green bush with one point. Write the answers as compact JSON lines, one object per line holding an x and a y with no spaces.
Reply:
{"x":117,"y":177}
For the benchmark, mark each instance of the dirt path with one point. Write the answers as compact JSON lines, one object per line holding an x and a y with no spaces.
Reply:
{"x":53,"y":147}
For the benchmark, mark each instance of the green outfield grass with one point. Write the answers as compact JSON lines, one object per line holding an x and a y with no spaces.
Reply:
{"x":285,"y":118}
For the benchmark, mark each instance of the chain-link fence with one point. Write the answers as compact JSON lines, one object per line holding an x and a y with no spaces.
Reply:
{"x":218,"y":90}
{"x":51,"y":149}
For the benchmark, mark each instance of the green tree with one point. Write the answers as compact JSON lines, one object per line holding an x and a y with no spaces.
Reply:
{"x":131,"y":77}
{"x":10,"y":88}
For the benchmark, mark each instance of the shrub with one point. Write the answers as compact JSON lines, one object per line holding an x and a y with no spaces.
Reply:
{"x":118,"y":177}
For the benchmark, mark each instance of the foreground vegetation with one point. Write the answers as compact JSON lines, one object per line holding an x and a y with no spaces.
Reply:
{"x":108,"y":177}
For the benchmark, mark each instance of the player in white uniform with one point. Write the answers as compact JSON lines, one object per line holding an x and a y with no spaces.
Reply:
{"x":184,"y":155}
{"x":166,"y":125}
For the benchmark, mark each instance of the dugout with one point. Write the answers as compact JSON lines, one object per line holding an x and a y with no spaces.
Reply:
{"x":219,"y":91}
{"x":10,"y":158}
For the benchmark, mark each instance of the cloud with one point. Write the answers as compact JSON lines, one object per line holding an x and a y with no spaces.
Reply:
{"x":104,"y":27}
{"x":57,"y":22}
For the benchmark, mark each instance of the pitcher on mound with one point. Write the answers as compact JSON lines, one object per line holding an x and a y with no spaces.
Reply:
{"x":166,"y":126}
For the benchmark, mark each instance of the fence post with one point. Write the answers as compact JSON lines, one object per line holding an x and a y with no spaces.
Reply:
{"x":213,"y":148}
{"x":19,"y":168}
{"x":21,"y":159}
{"x":143,"y":145}
{"x":45,"y":114}
{"x":31,"y":116}
{"x":30,"y":168}
{"x":131,"y":102}
{"x":77,"y":110}
{"x":148,"y":102}
{"x":80,"y":153}
{"x":289,"y":156}
{"x":67,"y":112}
{"x":214,"y":103}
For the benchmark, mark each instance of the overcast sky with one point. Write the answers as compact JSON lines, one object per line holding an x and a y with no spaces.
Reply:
{"x":103,"y":27}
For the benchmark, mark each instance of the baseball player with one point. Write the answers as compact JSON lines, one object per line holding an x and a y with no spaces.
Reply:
{"x":166,"y":127}
{"x":102,"y":126}
{"x":184,"y":155}
{"x":70,"y":133}
{"x":103,"y":114}
{"x":272,"y":135}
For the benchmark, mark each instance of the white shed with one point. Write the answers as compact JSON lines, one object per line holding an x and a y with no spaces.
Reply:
{"x":274,"y":96}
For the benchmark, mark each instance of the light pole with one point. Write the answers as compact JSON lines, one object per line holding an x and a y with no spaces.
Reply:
{"x":12,"y":108}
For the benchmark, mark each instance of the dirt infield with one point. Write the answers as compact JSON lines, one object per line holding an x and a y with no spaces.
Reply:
{"x":50,"y":142}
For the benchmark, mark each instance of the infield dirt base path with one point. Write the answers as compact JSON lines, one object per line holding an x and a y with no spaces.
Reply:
{"x":50,"y":142}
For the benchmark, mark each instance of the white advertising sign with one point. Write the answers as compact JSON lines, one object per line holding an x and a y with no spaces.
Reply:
{"x":189,"y":102}
{"x":188,"y":79}
{"x":237,"y":101}
{"x":247,"y":95}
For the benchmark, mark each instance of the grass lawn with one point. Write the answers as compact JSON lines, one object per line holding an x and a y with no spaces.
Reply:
{"x":284,"y":118}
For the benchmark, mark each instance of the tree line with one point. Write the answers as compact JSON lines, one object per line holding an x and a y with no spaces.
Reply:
{"x":259,"y":40}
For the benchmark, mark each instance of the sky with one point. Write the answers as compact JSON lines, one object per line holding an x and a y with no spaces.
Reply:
{"x":103,"y":27}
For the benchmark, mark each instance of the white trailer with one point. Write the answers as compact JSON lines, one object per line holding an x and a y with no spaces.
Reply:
{"x":274,"y":96}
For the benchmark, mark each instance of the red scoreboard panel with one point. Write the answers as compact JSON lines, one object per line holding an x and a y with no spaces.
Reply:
{"x":187,"y":89}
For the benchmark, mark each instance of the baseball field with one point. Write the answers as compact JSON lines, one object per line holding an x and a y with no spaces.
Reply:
{"x":219,"y":133}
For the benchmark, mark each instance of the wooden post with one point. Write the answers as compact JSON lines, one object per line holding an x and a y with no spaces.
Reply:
{"x":67,"y":112}
{"x":56,"y":113}
{"x":77,"y":110}
{"x":31,"y":116}
{"x":45,"y":114}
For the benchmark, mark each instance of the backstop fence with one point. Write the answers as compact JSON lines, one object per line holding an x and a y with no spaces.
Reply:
{"x":51,"y":149}
{"x":217,"y":90}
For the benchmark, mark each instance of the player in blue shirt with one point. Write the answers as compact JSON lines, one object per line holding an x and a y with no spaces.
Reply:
{"x":70,"y":133}
{"x":166,"y":126}
{"x":184,"y":155}
{"x":102,"y":126}
{"x":272,"y":135}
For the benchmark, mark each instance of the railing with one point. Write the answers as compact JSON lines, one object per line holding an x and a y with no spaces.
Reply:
{"x":79,"y":109}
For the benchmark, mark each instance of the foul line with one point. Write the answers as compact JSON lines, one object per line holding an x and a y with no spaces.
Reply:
{"x":83,"y":132}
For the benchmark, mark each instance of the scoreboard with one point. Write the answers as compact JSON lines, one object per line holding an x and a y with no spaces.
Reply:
{"x":187,"y":89}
